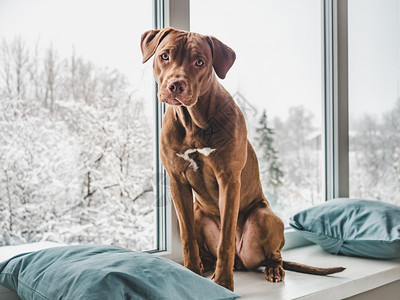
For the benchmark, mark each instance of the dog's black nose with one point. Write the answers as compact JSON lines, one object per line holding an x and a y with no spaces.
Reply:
{"x":177,"y":86}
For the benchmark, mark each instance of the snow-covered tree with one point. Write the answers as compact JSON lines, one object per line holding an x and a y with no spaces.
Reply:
{"x":270,"y":166}
{"x":299,"y":148}
{"x":76,"y":152}
{"x":375,"y":156}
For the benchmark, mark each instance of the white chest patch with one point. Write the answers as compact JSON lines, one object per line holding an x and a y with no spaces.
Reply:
{"x":205,"y":151}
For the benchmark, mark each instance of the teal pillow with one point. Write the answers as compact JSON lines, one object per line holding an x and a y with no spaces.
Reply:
{"x":103,"y":272}
{"x":352,"y":227}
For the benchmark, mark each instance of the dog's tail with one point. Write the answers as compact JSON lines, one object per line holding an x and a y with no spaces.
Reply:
{"x":292,"y":266}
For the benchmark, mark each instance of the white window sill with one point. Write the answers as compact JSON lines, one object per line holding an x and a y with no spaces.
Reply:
{"x":361,"y":275}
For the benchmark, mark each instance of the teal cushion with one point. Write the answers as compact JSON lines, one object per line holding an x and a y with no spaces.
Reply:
{"x":103,"y":272}
{"x":352,"y":227}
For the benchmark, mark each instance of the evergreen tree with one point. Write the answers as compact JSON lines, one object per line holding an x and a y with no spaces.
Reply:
{"x":269,"y":156}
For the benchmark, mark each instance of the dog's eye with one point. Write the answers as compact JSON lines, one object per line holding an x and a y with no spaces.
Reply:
{"x":199,"y":62}
{"x":164,"y":56}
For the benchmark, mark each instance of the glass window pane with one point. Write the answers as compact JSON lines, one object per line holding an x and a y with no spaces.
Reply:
{"x":76,"y":123}
{"x":374,"y":99}
{"x":276,"y":80}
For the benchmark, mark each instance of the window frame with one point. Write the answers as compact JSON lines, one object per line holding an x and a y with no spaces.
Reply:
{"x":335,"y":135}
{"x":335,"y":97}
{"x":174,"y":13}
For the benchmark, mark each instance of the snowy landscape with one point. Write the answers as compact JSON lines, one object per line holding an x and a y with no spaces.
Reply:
{"x":77,"y":154}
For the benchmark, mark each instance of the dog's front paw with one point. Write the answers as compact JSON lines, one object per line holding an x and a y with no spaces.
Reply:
{"x":195,"y":267}
{"x":225,"y":281}
{"x":274,"y":272}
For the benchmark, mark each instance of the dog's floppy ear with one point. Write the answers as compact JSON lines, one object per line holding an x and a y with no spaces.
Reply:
{"x":150,"y":41}
{"x":223,"y":56}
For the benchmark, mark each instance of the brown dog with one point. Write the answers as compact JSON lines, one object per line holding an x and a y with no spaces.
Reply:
{"x":205,"y":150}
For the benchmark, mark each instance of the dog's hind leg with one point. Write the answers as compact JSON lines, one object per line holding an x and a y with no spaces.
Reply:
{"x":262,"y":239}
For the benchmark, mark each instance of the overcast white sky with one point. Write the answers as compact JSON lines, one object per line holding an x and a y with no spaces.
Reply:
{"x":278,"y":44}
{"x":106,"y":32}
